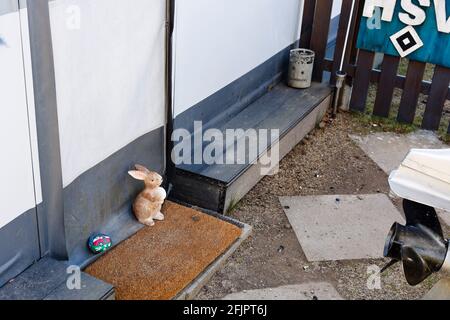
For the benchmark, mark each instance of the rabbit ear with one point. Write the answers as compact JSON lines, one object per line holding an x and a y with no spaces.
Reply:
{"x":142,"y":169}
{"x":138,"y":175}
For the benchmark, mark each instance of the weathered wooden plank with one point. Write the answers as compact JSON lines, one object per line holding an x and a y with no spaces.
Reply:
{"x":321,"y":26}
{"x":307,"y":23}
{"x":354,"y":50}
{"x":386,"y":86}
{"x":375,"y":76}
{"x":436,"y":99}
{"x":344,"y":21}
{"x":362,"y":80}
{"x":411,"y":92}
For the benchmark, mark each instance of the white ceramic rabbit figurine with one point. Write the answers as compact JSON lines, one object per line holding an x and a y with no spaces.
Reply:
{"x":148,"y":204}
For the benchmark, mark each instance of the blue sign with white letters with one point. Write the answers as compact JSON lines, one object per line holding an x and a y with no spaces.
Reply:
{"x":416,"y":29}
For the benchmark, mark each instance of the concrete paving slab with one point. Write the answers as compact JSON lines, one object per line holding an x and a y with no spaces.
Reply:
{"x":444,"y":216}
{"x":308,"y":291}
{"x":388,"y":150}
{"x":441,"y":291}
{"x":47,"y":280}
{"x":338,"y":227}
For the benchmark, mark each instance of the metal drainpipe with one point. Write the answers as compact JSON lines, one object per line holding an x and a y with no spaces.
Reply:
{"x":51,"y":227}
{"x":170,"y":166}
{"x":341,"y":75}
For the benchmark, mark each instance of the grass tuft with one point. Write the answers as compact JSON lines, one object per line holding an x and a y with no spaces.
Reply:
{"x":390,"y":124}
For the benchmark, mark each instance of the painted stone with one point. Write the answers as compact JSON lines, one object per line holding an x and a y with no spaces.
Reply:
{"x":148,"y":204}
{"x":99,"y":243}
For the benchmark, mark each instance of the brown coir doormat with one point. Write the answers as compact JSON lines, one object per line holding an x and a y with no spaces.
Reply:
{"x":159,"y":262}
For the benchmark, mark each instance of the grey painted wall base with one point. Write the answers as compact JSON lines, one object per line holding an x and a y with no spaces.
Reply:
{"x":246,"y":103}
{"x":100,"y":200}
{"x":294,"y":112}
{"x":19,"y":246}
{"x":233,"y":98}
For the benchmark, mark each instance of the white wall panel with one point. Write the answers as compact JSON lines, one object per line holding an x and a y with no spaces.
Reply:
{"x":30,"y":102}
{"x":218,"y":42}
{"x":109,"y":76}
{"x":16,"y":174}
{"x":337,"y":4}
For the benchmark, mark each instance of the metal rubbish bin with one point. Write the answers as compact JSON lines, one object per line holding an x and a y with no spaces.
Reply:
{"x":301,"y":66}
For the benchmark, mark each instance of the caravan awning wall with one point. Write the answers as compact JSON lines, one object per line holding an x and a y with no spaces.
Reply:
{"x":109,"y":58}
{"x":20,"y":190}
{"x":82,"y":99}
{"x":227,"y":51}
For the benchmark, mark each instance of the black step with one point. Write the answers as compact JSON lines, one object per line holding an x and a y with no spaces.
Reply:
{"x":294,"y":112}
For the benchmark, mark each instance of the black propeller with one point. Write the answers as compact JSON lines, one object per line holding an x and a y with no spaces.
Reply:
{"x":420,"y":245}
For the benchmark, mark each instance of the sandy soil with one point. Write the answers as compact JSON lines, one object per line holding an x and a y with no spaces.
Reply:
{"x":326,"y":162}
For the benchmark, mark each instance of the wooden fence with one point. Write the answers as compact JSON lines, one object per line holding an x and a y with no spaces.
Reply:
{"x":359,"y":67}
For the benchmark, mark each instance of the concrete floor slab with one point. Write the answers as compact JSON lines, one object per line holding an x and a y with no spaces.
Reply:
{"x":444,"y":216}
{"x":338,"y":227}
{"x":388,"y":150}
{"x":308,"y":291}
{"x":441,"y":291}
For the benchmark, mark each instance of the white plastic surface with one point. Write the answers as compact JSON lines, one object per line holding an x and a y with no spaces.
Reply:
{"x":424,"y":177}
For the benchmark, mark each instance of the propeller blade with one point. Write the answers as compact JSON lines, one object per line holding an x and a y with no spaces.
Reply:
{"x":415,"y":267}
{"x":420,"y":214}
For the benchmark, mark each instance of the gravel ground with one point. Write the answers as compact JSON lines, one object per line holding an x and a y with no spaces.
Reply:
{"x":326,"y":162}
